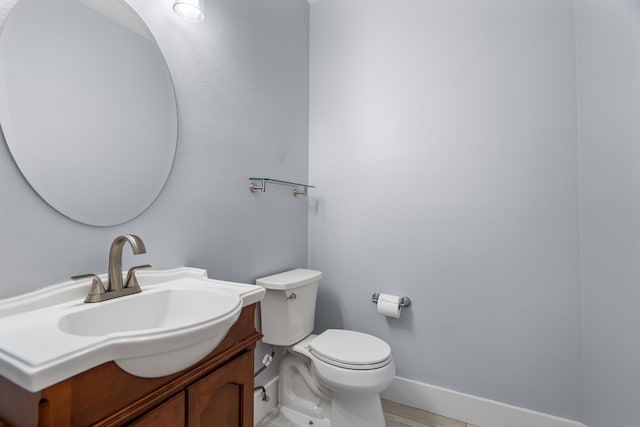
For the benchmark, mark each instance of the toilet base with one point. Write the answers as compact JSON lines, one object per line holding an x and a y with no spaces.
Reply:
{"x":348,"y":412}
{"x":303,"y":401}
{"x":356,"y":411}
{"x":287,"y":417}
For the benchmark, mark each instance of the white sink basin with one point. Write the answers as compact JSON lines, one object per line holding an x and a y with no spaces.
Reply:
{"x":151,"y":311}
{"x":179,"y":317}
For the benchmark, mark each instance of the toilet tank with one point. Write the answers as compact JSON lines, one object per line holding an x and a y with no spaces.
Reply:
{"x":288,"y":308}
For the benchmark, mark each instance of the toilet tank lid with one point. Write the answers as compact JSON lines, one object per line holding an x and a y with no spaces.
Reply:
{"x":290,"y":279}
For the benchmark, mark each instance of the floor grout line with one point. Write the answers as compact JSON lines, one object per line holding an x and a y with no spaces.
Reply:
{"x":398,"y":415}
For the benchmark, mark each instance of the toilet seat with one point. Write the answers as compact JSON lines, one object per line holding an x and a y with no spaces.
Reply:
{"x":350,"y":350}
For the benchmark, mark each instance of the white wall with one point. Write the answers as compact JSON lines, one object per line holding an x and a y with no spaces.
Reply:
{"x":608,"y":41}
{"x":443,"y":141}
{"x":241,"y":80}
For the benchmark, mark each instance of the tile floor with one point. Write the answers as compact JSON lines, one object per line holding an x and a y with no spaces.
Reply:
{"x":397,"y":415}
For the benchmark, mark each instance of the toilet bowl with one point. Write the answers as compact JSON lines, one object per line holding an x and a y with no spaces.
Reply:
{"x":331,"y":379}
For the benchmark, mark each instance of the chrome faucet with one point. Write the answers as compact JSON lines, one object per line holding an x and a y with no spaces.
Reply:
{"x":115,"y":288}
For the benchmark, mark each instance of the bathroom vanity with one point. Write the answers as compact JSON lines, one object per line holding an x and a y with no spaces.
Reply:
{"x":180,"y":352}
{"x":217,"y":391}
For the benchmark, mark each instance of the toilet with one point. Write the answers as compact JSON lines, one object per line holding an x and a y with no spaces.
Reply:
{"x":331,"y":379}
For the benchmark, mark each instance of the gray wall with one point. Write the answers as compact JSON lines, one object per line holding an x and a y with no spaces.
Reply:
{"x":241,"y":80}
{"x":608,"y":41}
{"x":443,"y":142}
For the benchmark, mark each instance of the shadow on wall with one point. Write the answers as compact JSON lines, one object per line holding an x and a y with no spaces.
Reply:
{"x":328,"y":303}
{"x":329,"y":314}
{"x":404,"y":322}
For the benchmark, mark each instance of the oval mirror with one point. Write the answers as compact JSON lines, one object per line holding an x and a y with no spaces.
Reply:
{"x":87,"y":107}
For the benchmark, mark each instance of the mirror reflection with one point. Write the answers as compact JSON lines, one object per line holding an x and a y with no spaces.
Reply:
{"x":87,"y":107}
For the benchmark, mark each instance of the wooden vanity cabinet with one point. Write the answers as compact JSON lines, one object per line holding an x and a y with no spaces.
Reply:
{"x":216,"y":392}
{"x":170,"y":413}
{"x":222,"y":397}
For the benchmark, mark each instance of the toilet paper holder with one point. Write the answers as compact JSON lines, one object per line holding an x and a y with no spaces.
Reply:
{"x":404,"y":301}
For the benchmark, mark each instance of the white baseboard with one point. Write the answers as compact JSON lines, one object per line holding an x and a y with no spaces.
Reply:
{"x":262,"y":408}
{"x":471,"y":409}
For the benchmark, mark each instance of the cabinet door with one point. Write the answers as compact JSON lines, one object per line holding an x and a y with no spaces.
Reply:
{"x":225,"y":397}
{"x":171,"y":413}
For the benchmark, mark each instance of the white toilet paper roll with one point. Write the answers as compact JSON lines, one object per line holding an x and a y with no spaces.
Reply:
{"x":389,"y":305}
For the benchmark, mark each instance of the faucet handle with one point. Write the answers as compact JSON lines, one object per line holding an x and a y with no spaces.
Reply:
{"x":131,"y":281}
{"x":97,"y":287}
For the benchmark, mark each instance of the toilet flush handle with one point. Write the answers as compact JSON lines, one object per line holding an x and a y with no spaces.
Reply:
{"x":292,"y":297}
